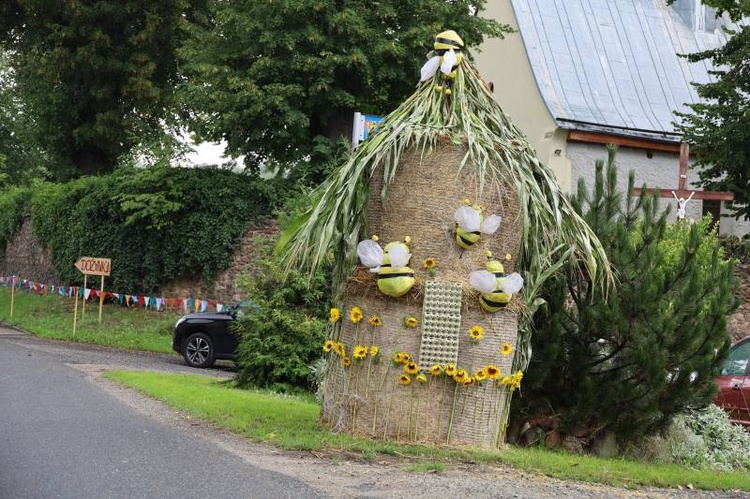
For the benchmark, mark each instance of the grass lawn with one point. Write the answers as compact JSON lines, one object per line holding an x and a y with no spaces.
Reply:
{"x":121,"y":327}
{"x":291,"y":423}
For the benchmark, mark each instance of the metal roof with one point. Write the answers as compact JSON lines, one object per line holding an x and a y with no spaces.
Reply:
{"x":611,"y":65}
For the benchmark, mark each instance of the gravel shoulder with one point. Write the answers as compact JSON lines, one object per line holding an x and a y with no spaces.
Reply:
{"x":333,"y":475}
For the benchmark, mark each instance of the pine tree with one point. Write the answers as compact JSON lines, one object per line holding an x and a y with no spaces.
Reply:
{"x":654,"y":347}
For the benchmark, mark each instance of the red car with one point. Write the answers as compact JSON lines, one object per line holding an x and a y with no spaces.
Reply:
{"x":734,"y":384}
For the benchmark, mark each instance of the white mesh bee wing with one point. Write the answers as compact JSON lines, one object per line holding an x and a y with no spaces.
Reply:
{"x":491,"y":224}
{"x":512,"y":284}
{"x":449,"y":60}
{"x":483,"y":281}
{"x":468,"y":218}
{"x":399,"y":256}
{"x":430,"y":68}
{"x":370,"y":254}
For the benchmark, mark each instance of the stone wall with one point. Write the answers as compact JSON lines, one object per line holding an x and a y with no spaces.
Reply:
{"x":24,"y":256}
{"x":739,"y":322}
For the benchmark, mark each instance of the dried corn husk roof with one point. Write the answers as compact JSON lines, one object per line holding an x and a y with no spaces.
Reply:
{"x":553,"y":233}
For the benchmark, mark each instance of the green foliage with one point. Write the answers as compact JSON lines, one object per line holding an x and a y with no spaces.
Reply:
{"x":654,"y":347}
{"x":702,"y":438}
{"x":281,"y":341}
{"x":97,"y":77}
{"x":13,"y":205}
{"x":21,"y":159}
{"x":307,"y":66}
{"x":718,"y":128}
{"x":155,"y":224}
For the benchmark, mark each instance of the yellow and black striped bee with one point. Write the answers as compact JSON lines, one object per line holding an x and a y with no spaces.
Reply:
{"x":446,"y":57}
{"x":395,"y":278}
{"x":496,"y":288}
{"x":471,"y":224}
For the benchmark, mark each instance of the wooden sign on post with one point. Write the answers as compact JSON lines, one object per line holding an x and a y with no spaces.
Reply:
{"x":92,"y":266}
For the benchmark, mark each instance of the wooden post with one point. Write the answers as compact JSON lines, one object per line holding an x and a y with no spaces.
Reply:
{"x":101,"y":300}
{"x":83,"y":305}
{"x":75,"y":314}
{"x":12,"y":294}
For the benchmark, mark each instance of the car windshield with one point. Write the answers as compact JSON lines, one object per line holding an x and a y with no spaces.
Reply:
{"x":244,"y":307}
{"x":737,"y":363}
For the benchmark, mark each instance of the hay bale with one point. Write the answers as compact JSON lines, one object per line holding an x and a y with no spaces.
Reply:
{"x":367,"y":398}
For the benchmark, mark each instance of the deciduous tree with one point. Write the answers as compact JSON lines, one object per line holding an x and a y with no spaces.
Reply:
{"x":280,"y":80}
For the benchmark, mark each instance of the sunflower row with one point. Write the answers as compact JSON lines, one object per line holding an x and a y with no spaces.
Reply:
{"x":356,"y":315}
{"x":458,"y":374}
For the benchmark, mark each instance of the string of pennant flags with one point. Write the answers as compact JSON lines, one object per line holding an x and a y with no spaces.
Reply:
{"x":156,"y":304}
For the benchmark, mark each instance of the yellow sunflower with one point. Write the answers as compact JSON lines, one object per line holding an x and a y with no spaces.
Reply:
{"x":460,"y":375}
{"x":375,"y":321}
{"x":404,"y":379}
{"x":328,"y":346}
{"x":398,"y":358}
{"x":429,"y":263}
{"x":411,"y":322}
{"x":406,"y":356}
{"x":481,"y":374}
{"x":476,"y":332}
{"x":374,"y":351}
{"x":422,"y":378}
{"x":493,"y":372}
{"x":335,"y":315}
{"x":356,"y":315}
{"x":411,"y":368}
{"x":469,"y":381}
{"x":346,"y":361}
{"x":339,"y":348}
{"x":436,"y":370}
{"x":360,"y":352}
{"x":450,"y":369}
{"x":505,"y":381}
{"x":506,"y":349}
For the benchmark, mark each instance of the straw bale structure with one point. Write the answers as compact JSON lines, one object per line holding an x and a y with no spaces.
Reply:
{"x":367,"y":397}
{"x":447,"y":143}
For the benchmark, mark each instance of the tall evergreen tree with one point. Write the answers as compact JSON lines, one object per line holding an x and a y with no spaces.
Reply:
{"x":654,"y":347}
{"x":96,"y":76}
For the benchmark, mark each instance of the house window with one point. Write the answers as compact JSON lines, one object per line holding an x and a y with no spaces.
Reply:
{"x":712,"y":207}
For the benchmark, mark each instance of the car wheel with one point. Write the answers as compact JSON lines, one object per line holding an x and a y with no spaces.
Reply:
{"x":198,"y":350}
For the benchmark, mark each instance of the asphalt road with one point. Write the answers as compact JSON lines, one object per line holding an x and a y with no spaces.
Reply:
{"x":61,"y":436}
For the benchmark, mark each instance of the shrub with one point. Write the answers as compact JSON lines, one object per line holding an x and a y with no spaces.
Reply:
{"x":629,"y":364}
{"x":702,"y":438}
{"x":156,"y":224}
{"x":280,"y":342}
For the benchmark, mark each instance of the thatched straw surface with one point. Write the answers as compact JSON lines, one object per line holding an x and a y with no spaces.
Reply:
{"x":367,"y":398}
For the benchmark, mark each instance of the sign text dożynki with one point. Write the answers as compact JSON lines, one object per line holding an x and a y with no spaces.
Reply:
{"x":94,"y":266}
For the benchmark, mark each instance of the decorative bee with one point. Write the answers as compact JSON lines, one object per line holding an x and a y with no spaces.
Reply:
{"x":446,"y":56}
{"x":497,"y":289}
{"x":471,"y":224}
{"x":395,"y":278}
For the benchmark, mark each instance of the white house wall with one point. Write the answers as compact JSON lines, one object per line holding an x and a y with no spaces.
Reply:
{"x":660,"y":170}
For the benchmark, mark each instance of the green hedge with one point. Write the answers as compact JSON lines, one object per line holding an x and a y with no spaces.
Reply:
{"x":156,"y":224}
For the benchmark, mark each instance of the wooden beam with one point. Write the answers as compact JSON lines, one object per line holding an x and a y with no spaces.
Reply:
{"x":603,"y":138}
{"x":667,"y":193}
